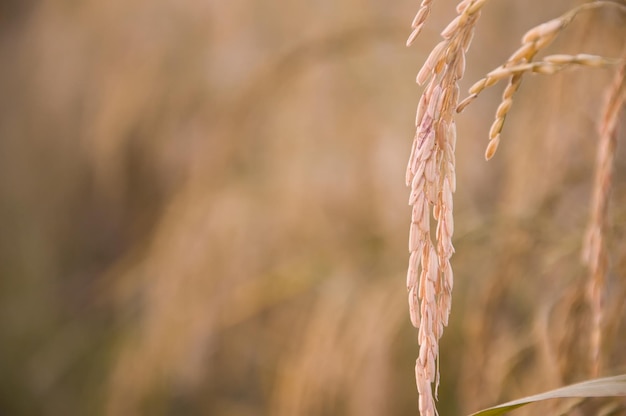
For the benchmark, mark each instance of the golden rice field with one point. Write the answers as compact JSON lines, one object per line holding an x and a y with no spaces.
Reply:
{"x":203,"y":209}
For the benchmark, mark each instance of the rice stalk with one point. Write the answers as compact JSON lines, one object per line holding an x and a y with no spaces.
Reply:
{"x":595,"y":253}
{"x":431,"y":177}
{"x":520,"y":62}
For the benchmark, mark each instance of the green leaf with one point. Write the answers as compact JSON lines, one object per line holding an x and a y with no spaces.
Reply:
{"x":599,"y":387}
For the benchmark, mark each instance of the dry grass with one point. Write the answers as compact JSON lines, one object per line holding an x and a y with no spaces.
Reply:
{"x":202,"y":209}
{"x":595,"y":250}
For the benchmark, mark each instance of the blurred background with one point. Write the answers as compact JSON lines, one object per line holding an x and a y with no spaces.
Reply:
{"x":203,"y":209}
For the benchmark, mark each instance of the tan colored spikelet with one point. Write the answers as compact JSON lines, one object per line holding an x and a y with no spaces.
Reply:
{"x":547,"y":29}
{"x":420,"y":17}
{"x":460,"y":67}
{"x":462,"y":5}
{"x":492,"y":147}
{"x":496,"y":127}
{"x":475,"y":6}
{"x":558,"y":59}
{"x":413,"y":35}
{"x":454,"y":25}
{"x":467,"y":101}
{"x":478,"y":86}
{"x":429,"y":66}
{"x":418,"y":21}
{"x":504,"y":107}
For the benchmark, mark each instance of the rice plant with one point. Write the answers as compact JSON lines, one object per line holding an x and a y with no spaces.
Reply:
{"x":431,"y":169}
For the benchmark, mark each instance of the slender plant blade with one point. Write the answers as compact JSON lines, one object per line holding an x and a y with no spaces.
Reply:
{"x":599,"y":387}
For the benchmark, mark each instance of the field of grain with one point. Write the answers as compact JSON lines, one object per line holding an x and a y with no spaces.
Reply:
{"x":203,"y":210}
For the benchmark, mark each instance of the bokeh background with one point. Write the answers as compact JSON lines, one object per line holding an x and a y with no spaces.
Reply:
{"x":203,"y":209}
